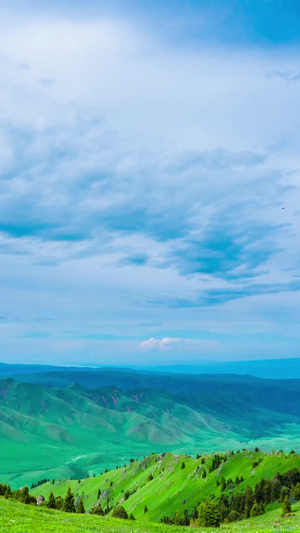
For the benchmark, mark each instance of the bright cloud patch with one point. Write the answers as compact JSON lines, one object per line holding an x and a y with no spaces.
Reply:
{"x":160,"y":344}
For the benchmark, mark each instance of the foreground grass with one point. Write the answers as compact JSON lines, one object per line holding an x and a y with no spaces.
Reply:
{"x":18,"y":518}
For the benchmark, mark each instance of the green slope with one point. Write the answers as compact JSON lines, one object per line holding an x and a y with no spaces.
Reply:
{"x":172,"y":487}
{"x":16,"y":517}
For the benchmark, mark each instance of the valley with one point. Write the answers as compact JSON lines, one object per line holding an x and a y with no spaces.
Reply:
{"x":52,"y":428}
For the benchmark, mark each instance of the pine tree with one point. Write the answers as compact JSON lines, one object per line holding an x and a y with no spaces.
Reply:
{"x":285,"y":491}
{"x":182,"y":465}
{"x":51,"y":504}
{"x":247,"y":511}
{"x":99,"y":494}
{"x":233,"y":516}
{"x":24,"y":496}
{"x":145,"y":509}
{"x":255,"y":509}
{"x":69,"y":506}
{"x":267,"y":492}
{"x":80,"y":508}
{"x":194,"y":513}
{"x":249,"y":500}
{"x":59,"y":502}
{"x":208,"y":515}
{"x":275,"y":490}
{"x":286,"y":506}
{"x":97,"y":509}
{"x":204,"y":474}
{"x":262,"y":508}
{"x":119,"y":512}
{"x":7,"y":493}
{"x":177,"y":520}
{"x":296,"y":492}
{"x":186,"y":518}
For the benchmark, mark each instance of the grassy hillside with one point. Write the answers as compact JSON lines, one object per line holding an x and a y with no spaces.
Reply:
{"x":72,"y":432}
{"x":16,"y":517}
{"x":172,"y":487}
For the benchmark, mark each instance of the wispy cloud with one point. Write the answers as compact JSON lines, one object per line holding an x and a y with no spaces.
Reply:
{"x":146,"y":186}
{"x":286,"y":75}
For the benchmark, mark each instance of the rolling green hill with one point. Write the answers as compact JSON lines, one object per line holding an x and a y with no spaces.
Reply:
{"x":172,"y":488}
{"x":72,"y":432}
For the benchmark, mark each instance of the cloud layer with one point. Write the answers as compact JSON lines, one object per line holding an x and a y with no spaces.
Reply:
{"x":148,"y":190}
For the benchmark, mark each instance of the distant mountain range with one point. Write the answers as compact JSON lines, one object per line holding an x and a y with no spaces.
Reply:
{"x":70,"y":423}
{"x":264,"y":368}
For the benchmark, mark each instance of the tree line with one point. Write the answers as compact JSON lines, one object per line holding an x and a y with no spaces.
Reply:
{"x":231,"y":507}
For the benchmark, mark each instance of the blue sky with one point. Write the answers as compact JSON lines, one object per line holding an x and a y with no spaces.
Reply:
{"x":149,"y":182}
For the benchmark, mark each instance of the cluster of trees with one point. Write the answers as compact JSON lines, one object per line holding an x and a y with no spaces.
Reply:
{"x":216,"y":462}
{"x":38,"y":483}
{"x":5,"y":490}
{"x":22,"y":495}
{"x":67,"y":504}
{"x":178,"y":520}
{"x":229,"y":483}
{"x":70,"y":504}
{"x":231,"y":507}
{"x":252,"y":502}
{"x":206,"y":515}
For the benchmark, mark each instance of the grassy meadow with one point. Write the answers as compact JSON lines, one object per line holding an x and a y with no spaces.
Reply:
{"x":19,"y":518}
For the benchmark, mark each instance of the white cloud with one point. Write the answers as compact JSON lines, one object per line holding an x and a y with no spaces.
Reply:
{"x":160,"y":344}
{"x":183,"y":346}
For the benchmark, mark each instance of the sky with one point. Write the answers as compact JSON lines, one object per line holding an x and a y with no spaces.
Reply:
{"x":149,"y":181}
